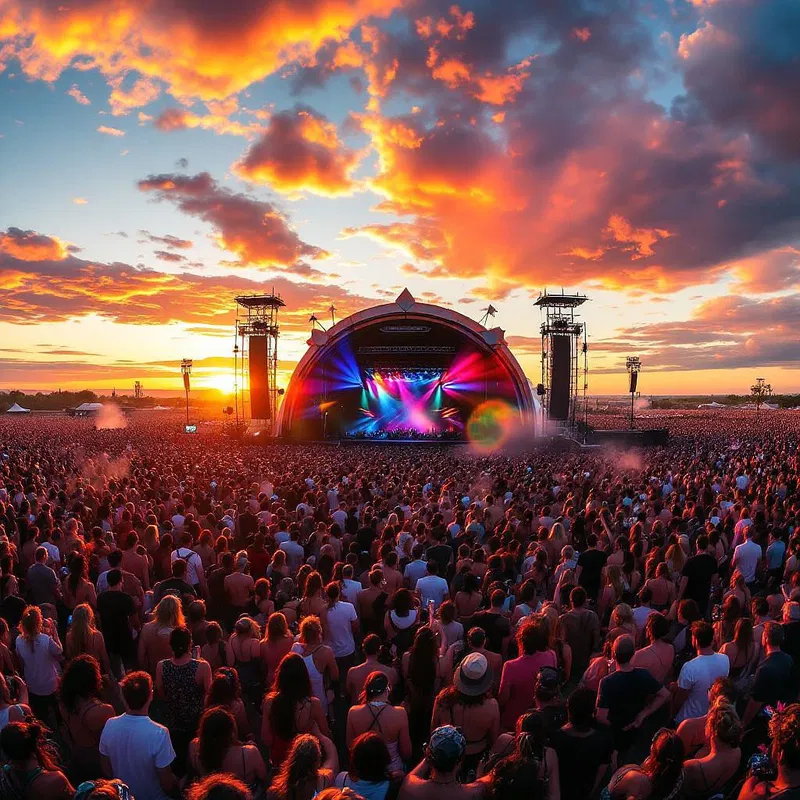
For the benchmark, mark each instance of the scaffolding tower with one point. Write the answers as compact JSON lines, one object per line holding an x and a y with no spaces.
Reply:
{"x":256,"y":316}
{"x":561,"y":320}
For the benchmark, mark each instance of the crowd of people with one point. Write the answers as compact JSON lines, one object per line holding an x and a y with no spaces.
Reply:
{"x":193,"y":616}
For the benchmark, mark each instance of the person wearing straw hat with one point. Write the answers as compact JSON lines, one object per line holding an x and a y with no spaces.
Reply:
{"x":467,"y":705}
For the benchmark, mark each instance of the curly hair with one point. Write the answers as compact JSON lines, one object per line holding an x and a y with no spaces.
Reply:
{"x":723,"y":723}
{"x":784,"y":730}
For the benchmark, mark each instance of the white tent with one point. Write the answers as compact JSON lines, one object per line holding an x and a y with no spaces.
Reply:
{"x":89,"y":408}
{"x":18,"y":409}
{"x":712,"y":404}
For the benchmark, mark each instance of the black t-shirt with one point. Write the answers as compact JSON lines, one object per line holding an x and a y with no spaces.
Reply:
{"x":115,"y":609}
{"x":625,"y":694}
{"x":441,"y":554}
{"x":174,"y":586}
{"x":775,"y":680}
{"x":496,"y":627}
{"x":698,"y":571}
{"x":365,"y":537}
{"x":591,"y":563}
{"x":791,"y":640}
{"x":554,"y":717}
{"x":590,"y":752}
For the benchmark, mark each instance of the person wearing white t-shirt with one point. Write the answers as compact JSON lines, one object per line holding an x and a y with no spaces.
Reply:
{"x":697,"y":675}
{"x":295,"y":555}
{"x":340,"y":515}
{"x":350,"y":588}
{"x":53,"y":554}
{"x":432,"y":587}
{"x":642,"y":612}
{"x":195,"y":574}
{"x":340,"y":623}
{"x":135,"y":749}
{"x":415,"y":569}
{"x":747,"y":556}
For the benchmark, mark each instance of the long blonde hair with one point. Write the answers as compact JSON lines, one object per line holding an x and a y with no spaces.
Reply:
{"x":614,"y":577}
{"x":168,"y":613}
{"x":557,"y":533}
{"x":82,"y":627}
{"x":150,"y":538}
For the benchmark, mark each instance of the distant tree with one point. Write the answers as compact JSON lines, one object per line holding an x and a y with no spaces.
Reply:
{"x":760,"y":391}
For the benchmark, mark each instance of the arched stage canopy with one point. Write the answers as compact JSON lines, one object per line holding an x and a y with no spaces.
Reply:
{"x":402,"y":370}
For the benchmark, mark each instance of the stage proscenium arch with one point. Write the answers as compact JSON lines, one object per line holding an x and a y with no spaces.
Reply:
{"x":403,"y":370}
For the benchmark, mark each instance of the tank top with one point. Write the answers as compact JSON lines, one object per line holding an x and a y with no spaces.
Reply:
{"x":314,"y":675}
{"x":184,"y":696}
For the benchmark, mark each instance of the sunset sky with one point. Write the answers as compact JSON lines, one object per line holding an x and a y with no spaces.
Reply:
{"x":158,"y":157}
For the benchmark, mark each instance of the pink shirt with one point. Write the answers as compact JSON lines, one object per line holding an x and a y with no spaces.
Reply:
{"x":519,"y":680}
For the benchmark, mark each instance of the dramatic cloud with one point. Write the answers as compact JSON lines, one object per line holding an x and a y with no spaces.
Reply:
{"x":252,"y":229}
{"x":198,"y":48}
{"x":300,"y":151}
{"x":48,"y":290}
{"x":742,"y":66}
{"x":586,"y":179}
{"x":724,"y":333}
{"x":31,"y":246}
{"x":423,"y":242}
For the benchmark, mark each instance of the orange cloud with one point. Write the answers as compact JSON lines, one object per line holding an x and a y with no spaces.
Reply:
{"x":122,"y":101}
{"x":773,"y":271}
{"x":456,"y":26}
{"x":254,"y":230}
{"x":76,"y":94}
{"x":35,"y":291}
{"x":80,"y":201}
{"x":199,"y":49}
{"x":300,"y":151}
{"x":31,"y":246}
{"x":488,"y":87}
{"x":423,"y":242}
{"x":177,"y":119}
{"x":639,"y":241}
{"x":110,"y":131}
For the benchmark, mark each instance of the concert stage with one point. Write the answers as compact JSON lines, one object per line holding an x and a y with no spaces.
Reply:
{"x":407,"y":372}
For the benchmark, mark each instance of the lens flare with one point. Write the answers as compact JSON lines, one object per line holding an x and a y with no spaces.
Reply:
{"x":490,"y":425}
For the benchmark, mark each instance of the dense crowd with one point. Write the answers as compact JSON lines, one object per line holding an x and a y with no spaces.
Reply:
{"x":192,"y":616}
